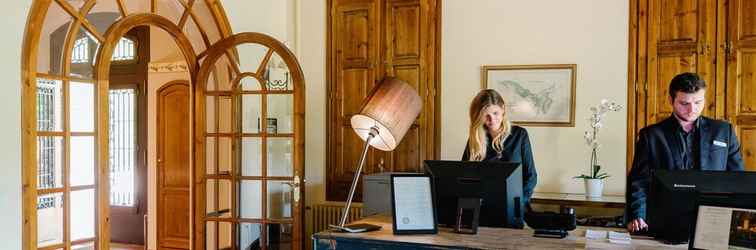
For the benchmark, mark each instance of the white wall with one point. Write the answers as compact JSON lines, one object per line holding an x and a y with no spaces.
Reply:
{"x":592,"y":34}
{"x":12,"y":23}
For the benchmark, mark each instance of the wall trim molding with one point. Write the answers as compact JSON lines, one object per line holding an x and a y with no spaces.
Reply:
{"x":168,"y":67}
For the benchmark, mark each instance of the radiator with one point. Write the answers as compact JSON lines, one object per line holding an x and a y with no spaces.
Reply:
{"x":330,"y":213}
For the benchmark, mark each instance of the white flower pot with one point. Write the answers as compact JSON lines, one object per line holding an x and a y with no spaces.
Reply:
{"x":594,"y":187}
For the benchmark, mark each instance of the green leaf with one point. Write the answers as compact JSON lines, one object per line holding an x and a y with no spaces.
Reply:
{"x":596,"y":169}
{"x":602,"y":176}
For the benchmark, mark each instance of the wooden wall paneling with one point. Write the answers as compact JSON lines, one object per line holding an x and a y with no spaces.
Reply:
{"x":406,"y":28}
{"x":720,"y":59}
{"x":355,"y":43}
{"x":716,"y":39}
{"x":679,"y":32}
{"x":632,"y":80}
{"x":741,"y":75}
{"x":368,"y":40}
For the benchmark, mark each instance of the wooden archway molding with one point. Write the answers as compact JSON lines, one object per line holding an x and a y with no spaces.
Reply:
{"x":212,"y":54}
{"x":102,"y":78}
{"x":30,"y":48}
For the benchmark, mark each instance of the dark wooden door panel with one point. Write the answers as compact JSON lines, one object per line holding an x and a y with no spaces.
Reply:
{"x":741,"y":76}
{"x":369,"y":40}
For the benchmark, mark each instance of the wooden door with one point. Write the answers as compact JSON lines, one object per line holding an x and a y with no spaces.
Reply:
{"x":740,"y":50}
{"x":355,"y":43}
{"x":369,"y":40}
{"x":173,"y":156}
{"x":681,"y":38}
{"x":409,"y":54}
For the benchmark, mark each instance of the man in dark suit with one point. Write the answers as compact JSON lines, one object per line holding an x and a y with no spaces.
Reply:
{"x":684,"y":141}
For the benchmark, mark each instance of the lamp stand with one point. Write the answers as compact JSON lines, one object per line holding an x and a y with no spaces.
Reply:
{"x":355,"y":228}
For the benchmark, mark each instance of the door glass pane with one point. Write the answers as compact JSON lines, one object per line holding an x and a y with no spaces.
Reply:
{"x":210,"y":114}
{"x":280,"y":201}
{"x":210,"y":232}
{"x":280,"y":110}
{"x":76,"y":4}
{"x":52,"y":40}
{"x":218,"y":235}
{"x":218,"y":198}
{"x":249,"y":83}
{"x":49,"y":105}
{"x":50,"y":219}
{"x":137,"y":6}
{"x":82,"y":107}
{"x":103,"y":15}
{"x":85,"y":246}
{"x":83,"y":55}
{"x":251,"y":113}
{"x":225,"y":155}
{"x":224,"y":74}
{"x":49,"y":162}
{"x":210,"y":163}
{"x":279,"y":236}
{"x":251,"y":56}
{"x":225,"y":110}
{"x":224,"y":235}
{"x":280,"y":157}
{"x":195,"y":37}
{"x":249,"y":236}
{"x":82,"y":214}
{"x":277,"y":74}
{"x":82,"y":160}
{"x":250,"y":199}
{"x":251,"y":156}
{"x":206,"y":20}
{"x":122,"y":146}
{"x":170,"y":9}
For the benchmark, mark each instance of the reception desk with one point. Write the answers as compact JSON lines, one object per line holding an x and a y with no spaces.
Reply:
{"x":487,"y":238}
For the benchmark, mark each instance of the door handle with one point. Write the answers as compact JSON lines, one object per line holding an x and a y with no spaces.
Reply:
{"x":294,"y":187}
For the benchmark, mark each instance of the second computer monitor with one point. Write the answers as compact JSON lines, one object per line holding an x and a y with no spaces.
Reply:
{"x":498,"y":184}
{"x":670,"y":206}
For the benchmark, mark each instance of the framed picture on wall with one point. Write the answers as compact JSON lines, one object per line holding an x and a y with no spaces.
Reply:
{"x":536,"y":95}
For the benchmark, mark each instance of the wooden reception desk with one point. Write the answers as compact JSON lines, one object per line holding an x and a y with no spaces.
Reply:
{"x":487,"y":238}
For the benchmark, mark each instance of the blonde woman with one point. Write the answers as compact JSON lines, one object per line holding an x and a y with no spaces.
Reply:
{"x":493,"y":138}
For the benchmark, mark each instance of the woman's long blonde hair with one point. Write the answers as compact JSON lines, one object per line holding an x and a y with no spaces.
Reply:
{"x":478,"y":142}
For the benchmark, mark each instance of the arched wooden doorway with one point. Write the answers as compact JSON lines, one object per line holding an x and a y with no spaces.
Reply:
{"x":65,"y":155}
{"x":249,"y":148}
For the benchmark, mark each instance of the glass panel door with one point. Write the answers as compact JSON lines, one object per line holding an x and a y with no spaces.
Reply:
{"x":251,"y":143}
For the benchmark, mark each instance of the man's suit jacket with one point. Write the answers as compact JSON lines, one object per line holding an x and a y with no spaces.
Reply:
{"x":659,"y":147}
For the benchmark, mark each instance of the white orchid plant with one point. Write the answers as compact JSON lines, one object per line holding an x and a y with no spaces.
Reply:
{"x":591,"y":137}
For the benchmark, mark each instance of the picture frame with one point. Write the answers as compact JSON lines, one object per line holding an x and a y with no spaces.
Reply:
{"x":536,"y":95}
{"x":413,"y":204}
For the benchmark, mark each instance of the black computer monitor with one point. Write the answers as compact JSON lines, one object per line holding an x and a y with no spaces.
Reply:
{"x":670,"y":205}
{"x":498,"y":184}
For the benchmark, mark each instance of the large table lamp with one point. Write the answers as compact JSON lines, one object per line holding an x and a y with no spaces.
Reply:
{"x":385,"y":116}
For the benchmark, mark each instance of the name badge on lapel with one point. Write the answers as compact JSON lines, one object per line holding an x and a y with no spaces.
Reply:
{"x":720,"y":144}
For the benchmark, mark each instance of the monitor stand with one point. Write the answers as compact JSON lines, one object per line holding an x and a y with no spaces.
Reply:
{"x":465,"y":206}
